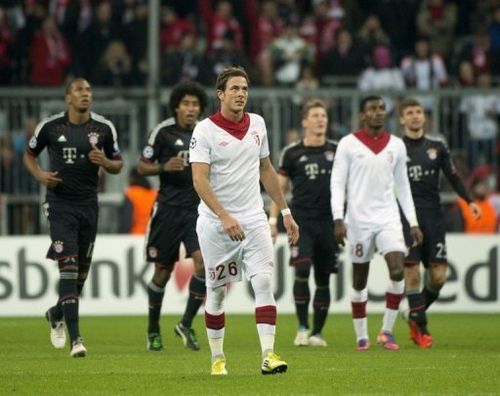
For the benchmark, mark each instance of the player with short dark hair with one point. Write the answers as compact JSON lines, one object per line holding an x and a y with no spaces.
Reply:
{"x":307,"y":164}
{"x":229,"y":153}
{"x":78,"y":142}
{"x":173,"y":219}
{"x":427,"y":157}
{"x":369,"y":167}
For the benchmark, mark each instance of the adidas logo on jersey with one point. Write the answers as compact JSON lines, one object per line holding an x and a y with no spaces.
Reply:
{"x":179,"y":142}
{"x":61,"y":139}
{"x":303,"y":158}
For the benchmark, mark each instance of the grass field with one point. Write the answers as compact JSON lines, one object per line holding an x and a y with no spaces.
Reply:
{"x":464,"y":360}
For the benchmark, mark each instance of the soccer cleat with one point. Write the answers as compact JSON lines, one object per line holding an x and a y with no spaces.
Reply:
{"x":57,"y":330}
{"x":77,"y":348}
{"x":317,"y":340}
{"x":154,"y":342}
{"x":272,"y":364}
{"x":219,"y":366}
{"x":188,"y":336}
{"x":363,"y":345}
{"x":414,"y":331}
{"x":387,"y":340}
{"x":425,"y":341}
{"x":302,"y":338}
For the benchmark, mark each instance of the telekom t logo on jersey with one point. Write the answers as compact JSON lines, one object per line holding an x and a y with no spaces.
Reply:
{"x":415,"y":172}
{"x":69,"y":154}
{"x":312,"y":170}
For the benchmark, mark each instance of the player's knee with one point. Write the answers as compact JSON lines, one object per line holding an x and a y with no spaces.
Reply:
{"x":322,"y":279}
{"x":215,"y":299}
{"x":161,"y":275}
{"x":438,"y":280}
{"x":397,"y":274}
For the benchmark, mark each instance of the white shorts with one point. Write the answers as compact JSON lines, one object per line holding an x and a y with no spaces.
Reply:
{"x":225,"y":260}
{"x":364,"y":242}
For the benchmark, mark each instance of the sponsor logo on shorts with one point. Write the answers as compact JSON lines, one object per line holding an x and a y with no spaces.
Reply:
{"x":58,"y":246}
{"x":153,"y":252}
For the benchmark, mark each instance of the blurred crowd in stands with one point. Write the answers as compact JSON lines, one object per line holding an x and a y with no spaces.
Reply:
{"x":386,"y":43}
{"x":303,"y":44}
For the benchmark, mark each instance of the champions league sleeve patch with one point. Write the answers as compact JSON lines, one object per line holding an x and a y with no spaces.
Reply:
{"x":33,"y":142}
{"x":148,"y":152}
{"x":192,"y":144}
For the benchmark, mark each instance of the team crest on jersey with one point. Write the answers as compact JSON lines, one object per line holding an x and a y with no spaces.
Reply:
{"x":153,"y":252}
{"x":148,"y":152}
{"x":192,"y":143}
{"x":432,"y":153}
{"x":256,"y":137}
{"x":93,"y":138}
{"x":390,"y":157}
{"x":58,"y":246}
{"x":329,"y":155}
{"x":33,"y":142}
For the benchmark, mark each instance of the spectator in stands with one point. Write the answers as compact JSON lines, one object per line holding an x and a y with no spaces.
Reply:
{"x":135,"y":36}
{"x":424,"y":70}
{"x":488,"y":223}
{"x":479,"y":52}
{"x":115,"y":66}
{"x":219,"y":22}
{"x":321,"y":28}
{"x":345,"y":59}
{"x":49,"y":55}
{"x":137,"y":204}
{"x":481,"y":111}
{"x":5,"y":49}
{"x":436,"y":21}
{"x":267,"y":27}
{"x":307,"y":80}
{"x":227,"y":54}
{"x":7,"y":165}
{"x":383,"y":75}
{"x":96,"y":38}
{"x":466,"y":76}
{"x":371,"y":35}
{"x":173,"y":30}
{"x":289,"y":53}
{"x":185,"y":63}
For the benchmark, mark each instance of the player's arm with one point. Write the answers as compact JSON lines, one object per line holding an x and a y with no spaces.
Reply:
{"x":403,"y":193}
{"x":97,"y":157}
{"x":338,"y":184}
{"x":48,"y":179}
{"x":201,"y":184}
{"x":274,"y":209}
{"x":456,"y":182}
{"x":174,"y":164}
{"x":271,"y":183}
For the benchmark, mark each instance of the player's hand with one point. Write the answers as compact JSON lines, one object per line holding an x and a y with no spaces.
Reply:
{"x":476,"y":210}
{"x":274,"y":232}
{"x":417,"y":235}
{"x":49,"y":179}
{"x":97,"y":157}
{"x":174,"y":164}
{"x":232,"y":227}
{"x":340,"y":232}
{"x":292,"y":229}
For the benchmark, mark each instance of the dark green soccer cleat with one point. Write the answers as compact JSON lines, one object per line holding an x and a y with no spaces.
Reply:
{"x":154,"y":342}
{"x":188,"y":336}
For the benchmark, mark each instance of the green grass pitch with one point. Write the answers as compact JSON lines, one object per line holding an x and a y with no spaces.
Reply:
{"x":464,"y":360}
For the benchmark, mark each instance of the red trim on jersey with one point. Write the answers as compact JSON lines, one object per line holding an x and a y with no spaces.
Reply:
{"x":392,"y":300}
{"x":236,"y":129}
{"x":358,"y":310}
{"x":266,"y":314}
{"x":375,"y":144}
{"x":215,"y":322}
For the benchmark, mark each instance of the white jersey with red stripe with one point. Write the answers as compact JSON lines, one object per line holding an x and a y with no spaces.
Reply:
{"x":371,"y":173}
{"x":234,"y":166}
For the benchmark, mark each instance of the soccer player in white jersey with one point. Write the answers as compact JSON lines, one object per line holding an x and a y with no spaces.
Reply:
{"x":229,"y":153}
{"x":370,"y":164}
